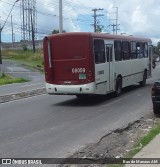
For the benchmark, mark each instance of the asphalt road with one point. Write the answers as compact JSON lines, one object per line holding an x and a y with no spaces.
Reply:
{"x":56,"y":126}
{"x":17,"y":70}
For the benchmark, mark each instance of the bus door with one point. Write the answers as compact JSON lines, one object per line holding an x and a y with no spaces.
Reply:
{"x":109,"y":57}
{"x":101,"y":79}
{"x":150,"y":61}
{"x":103,"y":65}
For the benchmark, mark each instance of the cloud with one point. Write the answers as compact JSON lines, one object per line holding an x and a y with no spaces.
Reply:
{"x":139,"y":18}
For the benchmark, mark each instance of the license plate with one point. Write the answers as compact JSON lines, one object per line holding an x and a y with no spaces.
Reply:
{"x":82,"y":76}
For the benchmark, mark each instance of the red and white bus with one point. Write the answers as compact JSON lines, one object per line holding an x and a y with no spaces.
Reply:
{"x":95,"y":63}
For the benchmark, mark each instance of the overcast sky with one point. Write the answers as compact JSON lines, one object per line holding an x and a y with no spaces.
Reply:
{"x":135,"y":17}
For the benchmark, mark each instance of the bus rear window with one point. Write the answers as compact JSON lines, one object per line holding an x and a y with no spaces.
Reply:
{"x":99,"y":51}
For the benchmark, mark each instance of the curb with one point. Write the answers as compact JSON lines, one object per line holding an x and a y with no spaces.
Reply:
{"x":21,"y":95}
{"x":37,"y":69}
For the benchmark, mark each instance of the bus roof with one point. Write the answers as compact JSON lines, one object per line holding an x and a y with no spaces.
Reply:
{"x":105,"y":36}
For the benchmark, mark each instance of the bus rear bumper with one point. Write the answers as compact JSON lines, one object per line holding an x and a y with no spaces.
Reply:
{"x":71,"y":89}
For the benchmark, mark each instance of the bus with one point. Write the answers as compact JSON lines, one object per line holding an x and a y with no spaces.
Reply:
{"x":84,"y":63}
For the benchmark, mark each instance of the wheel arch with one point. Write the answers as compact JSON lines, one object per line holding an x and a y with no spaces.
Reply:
{"x":118,"y":76}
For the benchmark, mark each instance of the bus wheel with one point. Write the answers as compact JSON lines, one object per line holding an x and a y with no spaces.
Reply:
{"x":118,"y":91}
{"x":143,"y":82}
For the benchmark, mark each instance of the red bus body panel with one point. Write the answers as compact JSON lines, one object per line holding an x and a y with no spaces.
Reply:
{"x":71,"y":55}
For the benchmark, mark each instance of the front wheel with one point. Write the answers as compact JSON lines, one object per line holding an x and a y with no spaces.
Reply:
{"x":118,"y":90}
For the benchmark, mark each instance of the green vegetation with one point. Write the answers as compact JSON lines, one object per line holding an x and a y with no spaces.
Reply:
{"x":142,"y":143}
{"x":6,"y":79}
{"x":156,"y":49}
{"x":57,"y":31}
{"x":25,"y":56}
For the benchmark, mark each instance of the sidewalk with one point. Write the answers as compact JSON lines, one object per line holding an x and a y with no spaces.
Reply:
{"x":152,"y":150}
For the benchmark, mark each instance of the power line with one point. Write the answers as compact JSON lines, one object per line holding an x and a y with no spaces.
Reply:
{"x":81,"y":13}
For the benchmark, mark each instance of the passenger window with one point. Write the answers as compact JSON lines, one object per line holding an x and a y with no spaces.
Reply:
{"x":118,"y":50}
{"x":140,"y":50}
{"x":99,"y":51}
{"x":145,"y":50}
{"x":125,"y":50}
{"x":109,"y":53}
{"x":133,"y":50}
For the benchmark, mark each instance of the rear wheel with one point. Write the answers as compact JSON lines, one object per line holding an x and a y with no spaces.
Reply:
{"x":156,"y":110}
{"x":143,"y":82}
{"x":118,"y":91}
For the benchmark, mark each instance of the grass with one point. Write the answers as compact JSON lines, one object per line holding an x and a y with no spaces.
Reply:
{"x":6,"y":79}
{"x":26,"y":57}
{"x":141,"y":143}
{"x":144,"y":141}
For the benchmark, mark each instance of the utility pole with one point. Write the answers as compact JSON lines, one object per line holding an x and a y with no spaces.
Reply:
{"x":0,"y":52}
{"x":1,"y":28}
{"x":28,"y":8}
{"x":95,"y":18}
{"x":115,"y":26}
{"x":114,"y":29}
{"x":116,"y":19}
{"x":60,"y":17}
{"x":33,"y":34}
{"x":12,"y":33}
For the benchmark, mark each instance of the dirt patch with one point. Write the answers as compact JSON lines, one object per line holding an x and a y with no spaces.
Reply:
{"x":117,"y":143}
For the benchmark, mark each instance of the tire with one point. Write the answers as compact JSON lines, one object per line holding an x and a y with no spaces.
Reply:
{"x":143,"y":82}
{"x":118,"y":89}
{"x":156,"y":111}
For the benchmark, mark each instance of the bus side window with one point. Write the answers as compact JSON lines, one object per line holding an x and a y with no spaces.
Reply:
{"x":109,"y":53}
{"x":99,"y":51}
{"x":140,"y":50}
{"x":145,"y":50}
{"x":118,"y":50}
{"x":133,"y":50}
{"x":125,"y":50}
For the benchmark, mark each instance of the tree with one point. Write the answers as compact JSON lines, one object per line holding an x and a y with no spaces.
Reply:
{"x":99,"y":28}
{"x":156,"y":49}
{"x":57,"y":31}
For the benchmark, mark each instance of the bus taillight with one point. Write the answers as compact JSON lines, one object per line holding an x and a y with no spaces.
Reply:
{"x":49,"y":53}
{"x":89,"y":75}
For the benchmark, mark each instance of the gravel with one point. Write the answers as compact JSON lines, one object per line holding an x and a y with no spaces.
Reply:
{"x":117,"y":143}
